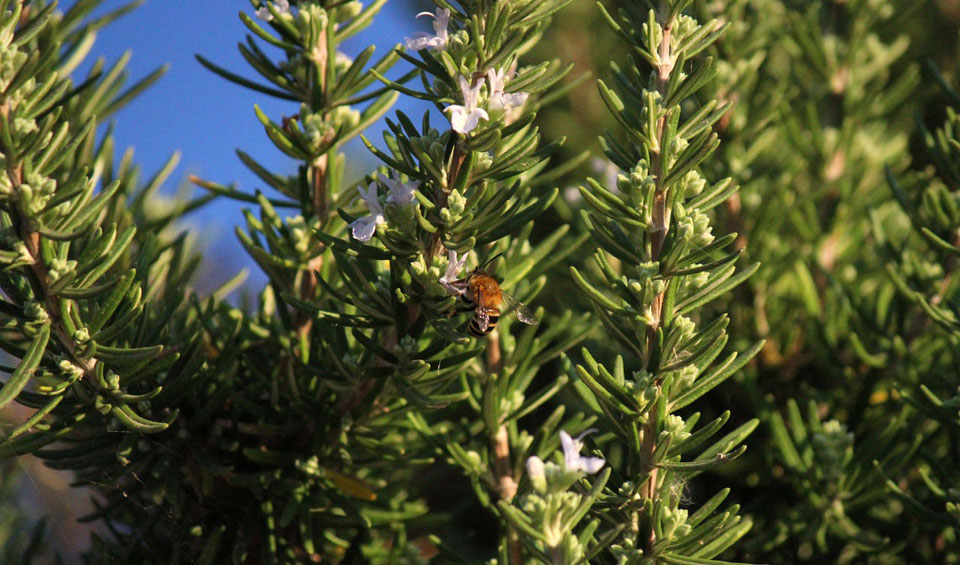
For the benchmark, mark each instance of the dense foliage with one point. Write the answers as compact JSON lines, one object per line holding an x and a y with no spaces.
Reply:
{"x":741,"y":338}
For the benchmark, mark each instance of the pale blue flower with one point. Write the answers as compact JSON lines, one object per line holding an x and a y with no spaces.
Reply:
{"x":436,"y":42}
{"x":572,"y":460}
{"x":364,"y":228}
{"x":281,"y":6}
{"x":401,"y":193}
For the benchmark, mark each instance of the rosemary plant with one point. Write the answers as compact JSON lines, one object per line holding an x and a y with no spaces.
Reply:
{"x":920,"y":316}
{"x":294,"y":432}
{"x":477,"y":185}
{"x":404,"y":388}
{"x":657,"y":264}
{"x":93,"y":278}
{"x":816,"y":148}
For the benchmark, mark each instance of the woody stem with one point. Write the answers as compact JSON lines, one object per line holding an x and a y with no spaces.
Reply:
{"x":660,"y":219}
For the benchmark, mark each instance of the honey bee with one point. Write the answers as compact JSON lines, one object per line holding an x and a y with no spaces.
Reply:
{"x":481,"y":293}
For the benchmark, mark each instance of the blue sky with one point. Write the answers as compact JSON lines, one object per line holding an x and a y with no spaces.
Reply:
{"x":206,"y":118}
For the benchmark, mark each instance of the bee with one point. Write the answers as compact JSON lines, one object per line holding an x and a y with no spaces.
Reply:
{"x":481,"y":293}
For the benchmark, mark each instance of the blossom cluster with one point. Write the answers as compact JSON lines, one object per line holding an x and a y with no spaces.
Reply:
{"x":465,"y":117}
{"x":552,"y":506}
{"x":401,"y":194}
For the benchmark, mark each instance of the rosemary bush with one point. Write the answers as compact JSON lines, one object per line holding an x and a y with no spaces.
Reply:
{"x":702,"y":372}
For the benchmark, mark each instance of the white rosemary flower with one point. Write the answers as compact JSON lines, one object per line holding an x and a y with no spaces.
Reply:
{"x":572,"y":459}
{"x":436,"y":42}
{"x":364,"y":228}
{"x":464,"y":118}
{"x":454,"y":267}
{"x":500,"y":100}
{"x":281,"y":6}
{"x":401,"y":193}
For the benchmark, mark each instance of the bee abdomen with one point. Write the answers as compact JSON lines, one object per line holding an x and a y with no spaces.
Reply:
{"x":475,"y":326}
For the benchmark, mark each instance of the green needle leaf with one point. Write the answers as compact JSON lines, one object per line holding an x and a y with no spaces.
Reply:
{"x":28,"y":364}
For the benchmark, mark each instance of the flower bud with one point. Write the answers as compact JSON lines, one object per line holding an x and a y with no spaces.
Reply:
{"x":536,"y":474}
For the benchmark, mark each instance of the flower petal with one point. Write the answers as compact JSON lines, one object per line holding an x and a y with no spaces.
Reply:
{"x":495,"y":81}
{"x":463,"y":122}
{"x":470,"y":94}
{"x":365,"y":227}
{"x":369,"y":197}
{"x":459,"y":118}
{"x":453,"y":267}
{"x":591,"y":465}
{"x":419,"y":41}
{"x":442,"y":20}
{"x":515,"y":99}
{"x":402,"y":196}
{"x":571,"y":451}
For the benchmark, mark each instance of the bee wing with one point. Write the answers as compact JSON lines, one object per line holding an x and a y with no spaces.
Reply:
{"x":483,"y":319}
{"x":524,"y":314}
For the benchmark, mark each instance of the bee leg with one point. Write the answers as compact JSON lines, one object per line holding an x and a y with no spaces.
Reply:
{"x":455,"y":288}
